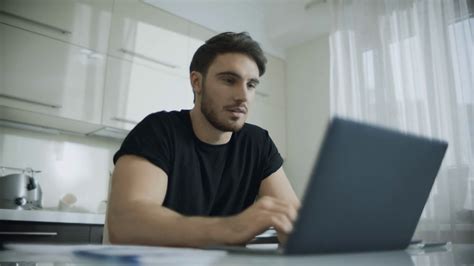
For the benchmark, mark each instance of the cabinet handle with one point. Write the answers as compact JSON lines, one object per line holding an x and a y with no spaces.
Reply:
{"x":119,"y":119}
{"x":262,"y":94}
{"x":41,"y":24}
{"x":29,"y":233}
{"x":142,"y":56}
{"x":3,"y":95}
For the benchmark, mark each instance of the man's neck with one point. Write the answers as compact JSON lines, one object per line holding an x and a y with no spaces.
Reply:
{"x":204,"y":131}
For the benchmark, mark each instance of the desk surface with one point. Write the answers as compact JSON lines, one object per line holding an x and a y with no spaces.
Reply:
{"x":456,"y":254}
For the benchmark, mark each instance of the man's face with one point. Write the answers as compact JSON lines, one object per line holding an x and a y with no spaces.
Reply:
{"x":227,"y":91}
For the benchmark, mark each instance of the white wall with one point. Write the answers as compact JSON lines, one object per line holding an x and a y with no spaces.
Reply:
{"x":307,"y":107}
{"x":69,"y":164}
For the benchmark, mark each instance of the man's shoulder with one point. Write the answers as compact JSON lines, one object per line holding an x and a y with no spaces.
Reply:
{"x":253,"y":128}
{"x":161,"y":122}
{"x":253,"y":131}
{"x":169,"y":118}
{"x":167,"y":115}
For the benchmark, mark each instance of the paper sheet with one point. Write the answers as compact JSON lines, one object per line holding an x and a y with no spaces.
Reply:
{"x":121,"y":252}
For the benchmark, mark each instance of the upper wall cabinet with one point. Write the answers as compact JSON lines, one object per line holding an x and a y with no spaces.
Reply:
{"x":148,"y":67}
{"x":47,"y":76}
{"x":85,"y":23}
{"x":134,"y":90}
{"x":147,"y":35}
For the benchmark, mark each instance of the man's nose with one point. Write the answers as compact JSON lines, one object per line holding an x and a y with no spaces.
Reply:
{"x":241,"y":92}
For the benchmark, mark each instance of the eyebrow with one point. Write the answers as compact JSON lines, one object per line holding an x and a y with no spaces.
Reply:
{"x":231,"y":73}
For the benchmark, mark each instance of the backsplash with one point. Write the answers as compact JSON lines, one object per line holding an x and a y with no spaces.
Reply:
{"x":70,"y":164}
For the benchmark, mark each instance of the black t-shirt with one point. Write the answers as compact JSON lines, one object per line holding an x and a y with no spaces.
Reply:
{"x":203,"y":179}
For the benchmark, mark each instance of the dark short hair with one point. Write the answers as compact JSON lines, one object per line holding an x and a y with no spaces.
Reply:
{"x":227,"y":42}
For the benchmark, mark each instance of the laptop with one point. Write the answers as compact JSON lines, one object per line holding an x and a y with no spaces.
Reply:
{"x":366,"y":191}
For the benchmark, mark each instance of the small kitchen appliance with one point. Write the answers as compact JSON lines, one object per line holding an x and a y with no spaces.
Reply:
{"x":20,"y":191}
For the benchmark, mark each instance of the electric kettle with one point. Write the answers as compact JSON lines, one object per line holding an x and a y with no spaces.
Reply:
{"x":20,"y":191}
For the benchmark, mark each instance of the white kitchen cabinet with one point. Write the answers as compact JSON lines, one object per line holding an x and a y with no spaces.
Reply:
{"x":134,"y":90}
{"x":46,"y":76}
{"x":147,"y":35}
{"x":85,"y":23}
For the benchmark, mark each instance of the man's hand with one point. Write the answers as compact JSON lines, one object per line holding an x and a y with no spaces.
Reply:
{"x":264,"y":213}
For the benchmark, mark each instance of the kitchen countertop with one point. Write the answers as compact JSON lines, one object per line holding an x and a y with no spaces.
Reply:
{"x":51,"y":216}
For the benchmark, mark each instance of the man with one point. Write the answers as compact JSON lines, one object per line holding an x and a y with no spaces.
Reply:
{"x":191,"y":177}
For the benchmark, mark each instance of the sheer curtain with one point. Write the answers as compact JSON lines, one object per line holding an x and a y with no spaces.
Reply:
{"x":409,"y":64}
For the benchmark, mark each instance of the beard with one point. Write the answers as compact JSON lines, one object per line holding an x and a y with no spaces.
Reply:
{"x":210,"y":112}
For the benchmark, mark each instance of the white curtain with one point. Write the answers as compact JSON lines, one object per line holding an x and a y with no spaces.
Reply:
{"x":409,"y":64}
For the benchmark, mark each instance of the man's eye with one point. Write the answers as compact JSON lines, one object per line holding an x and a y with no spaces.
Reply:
{"x":252,"y":85}
{"x":229,"y":80}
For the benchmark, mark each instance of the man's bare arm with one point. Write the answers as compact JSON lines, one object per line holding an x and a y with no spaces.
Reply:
{"x":136,"y":214}
{"x":277,"y":186}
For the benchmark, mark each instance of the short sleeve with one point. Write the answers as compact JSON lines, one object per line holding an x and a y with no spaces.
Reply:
{"x":150,"y":140}
{"x":271,"y":157}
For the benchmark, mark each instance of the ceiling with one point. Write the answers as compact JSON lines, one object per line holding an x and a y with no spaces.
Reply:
{"x":275,"y":24}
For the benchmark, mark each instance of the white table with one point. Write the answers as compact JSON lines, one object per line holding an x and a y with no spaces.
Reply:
{"x":457,"y":254}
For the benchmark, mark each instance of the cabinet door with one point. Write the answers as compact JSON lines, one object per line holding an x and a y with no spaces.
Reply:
{"x":47,"y":76}
{"x":147,"y":35}
{"x":96,"y":234}
{"x":38,"y":232}
{"x":134,"y":90}
{"x":85,"y":23}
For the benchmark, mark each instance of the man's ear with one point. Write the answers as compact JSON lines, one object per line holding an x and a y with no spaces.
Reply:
{"x":196,"y":81}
